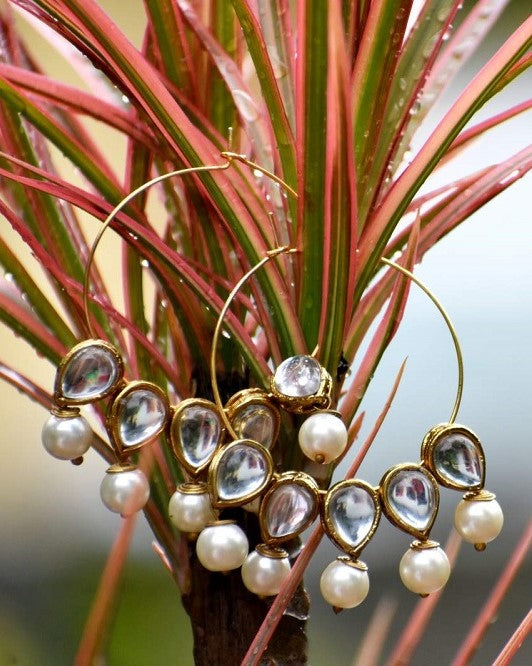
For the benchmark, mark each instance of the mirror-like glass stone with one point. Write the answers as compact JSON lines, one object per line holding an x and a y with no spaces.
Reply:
{"x":411,"y":497}
{"x":298,"y":377}
{"x":352,"y":512}
{"x":199,"y":432}
{"x":456,"y":459}
{"x":290,"y":507}
{"x":255,"y":422}
{"x":141,"y":416}
{"x":241,"y":471}
{"x":89,"y":373}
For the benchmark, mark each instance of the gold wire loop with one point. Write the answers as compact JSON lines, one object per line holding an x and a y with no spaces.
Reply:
{"x":452,"y":331}
{"x":114,"y":213}
{"x":238,"y":286}
{"x":229,"y":157}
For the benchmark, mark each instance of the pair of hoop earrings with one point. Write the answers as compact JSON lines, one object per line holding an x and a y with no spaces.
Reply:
{"x":226,"y":452}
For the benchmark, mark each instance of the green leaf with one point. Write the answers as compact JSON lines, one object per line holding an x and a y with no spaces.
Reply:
{"x":36,"y":298}
{"x":311,"y":109}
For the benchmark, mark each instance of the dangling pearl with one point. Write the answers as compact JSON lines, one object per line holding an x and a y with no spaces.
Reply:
{"x":222,"y":546}
{"x":124,"y":489}
{"x":323,"y":437}
{"x":345,"y":583}
{"x":66,"y":437}
{"x":265,"y":570}
{"x":479,"y":521}
{"x":190,"y":508}
{"x":424,"y":568}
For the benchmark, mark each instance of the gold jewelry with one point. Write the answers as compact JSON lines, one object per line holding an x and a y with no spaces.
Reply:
{"x":138,"y":411}
{"x":253,"y":415}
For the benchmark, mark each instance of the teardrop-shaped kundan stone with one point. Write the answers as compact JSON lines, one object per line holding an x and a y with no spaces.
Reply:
{"x":198,"y":434}
{"x":457,"y":460}
{"x":255,"y":422}
{"x":411,"y":499}
{"x":242,"y":471}
{"x":298,"y":376}
{"x":141,"y":414}
{"x":90,"y":372}
{"x":288,"y":510}
{"x":351,"y":512}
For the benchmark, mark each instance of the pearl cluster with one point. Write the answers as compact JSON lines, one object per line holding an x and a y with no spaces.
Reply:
{"x":240,"y":473}
{"x":137,"y":413}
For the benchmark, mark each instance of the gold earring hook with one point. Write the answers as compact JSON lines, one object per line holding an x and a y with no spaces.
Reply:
{"x":452,"y":331}
{"x":238,"y":286}
{"x":256,"y":167}
{"x":228,"y":155}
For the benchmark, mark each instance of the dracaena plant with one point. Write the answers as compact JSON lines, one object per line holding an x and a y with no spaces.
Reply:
{"x":326,"y":95}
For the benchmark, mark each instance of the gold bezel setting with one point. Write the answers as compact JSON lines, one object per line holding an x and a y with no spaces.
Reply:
{"x":328,"y":523}
{"x":192,"y":488}
{"x":254,"y":396}
{"x":289,"y":478}
{"x":223,"y":452}
{"x":113,"y":418}
{"x":389,"y":510}
{"x":479,"y":496}
{"x":66,"y":361}
{"x":175,"y":439}
{"x":320,"y":399}
{"x":273,"y":552}
{"x":356,"y":564}
{"x":118,"y":468}
{"x":428,"y":449}
{"x":424,"y":545}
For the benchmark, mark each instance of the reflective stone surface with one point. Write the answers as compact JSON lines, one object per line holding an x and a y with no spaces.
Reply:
{"x":141,"y":415}
{"x":298,"y":376}
{"x":411,"y":498}
{"x":199,"y":433}
{"x":89,"y":373}
{"x":241,"y":471}
{"x":289,"y":509}
{"x":351,"y":512}
{"x":456,"y":459}
{"x":255,"y":422}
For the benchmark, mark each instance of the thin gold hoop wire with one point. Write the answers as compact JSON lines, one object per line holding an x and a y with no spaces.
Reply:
{"x":452,"y":331}
{"x":234,"y":291}
{"x":228,"y":155}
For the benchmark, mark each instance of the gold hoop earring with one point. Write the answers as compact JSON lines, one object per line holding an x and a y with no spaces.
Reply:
{"x":137,"y":411}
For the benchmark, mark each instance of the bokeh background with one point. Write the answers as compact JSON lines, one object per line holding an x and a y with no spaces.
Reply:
{"x":55,"y":533}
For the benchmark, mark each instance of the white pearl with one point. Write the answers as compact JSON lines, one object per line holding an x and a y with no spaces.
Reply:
{"x":477,"y":521}
{"x":264,"y":575}
{"x":323,"y":437}
{"x":125,"y":492}
{"x":66,"y":438}
{"x":190,"y":511}
{"x":222,"y":547}
{"x":424,"y":570}
{"x":343,"y":585}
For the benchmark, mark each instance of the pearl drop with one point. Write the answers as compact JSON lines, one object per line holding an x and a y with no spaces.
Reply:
{"x":323,"y":437}
{"x":478,"y":521}
{"x":264,"y":575}
{"x":66,"y":438}
{"x":190,"y":511}
{"x":222,"y":547}
{"x":343,"y":585}
{"x":424,"y":570}
{"x":125,"y":492}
